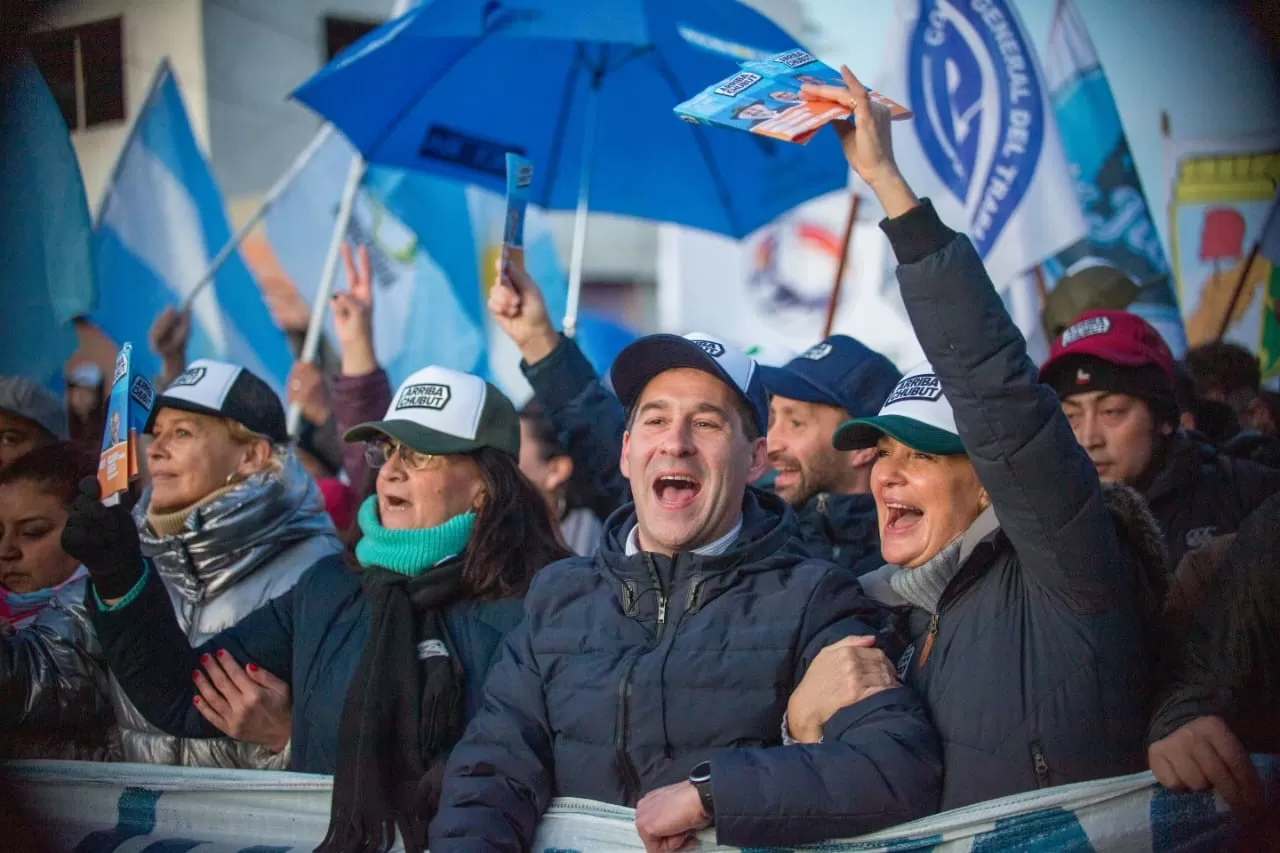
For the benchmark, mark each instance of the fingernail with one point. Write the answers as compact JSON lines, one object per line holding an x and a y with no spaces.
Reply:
{"x":195,"y":675}
{"x":253,"y":667}
{"x":205,"y":658}
{"x":196,"y":700}
{"x":222,"y":653}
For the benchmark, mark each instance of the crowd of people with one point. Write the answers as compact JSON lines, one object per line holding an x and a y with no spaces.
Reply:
{"x":978,"y":578}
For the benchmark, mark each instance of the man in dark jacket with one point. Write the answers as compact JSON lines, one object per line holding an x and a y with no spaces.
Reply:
{"x":656,"y":673}
{"x":1115,"y":377}
{"x":829,"y":489}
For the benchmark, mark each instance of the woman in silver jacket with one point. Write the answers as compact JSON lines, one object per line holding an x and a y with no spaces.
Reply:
{"x":230,"y":521}
{"x":53,"y":679}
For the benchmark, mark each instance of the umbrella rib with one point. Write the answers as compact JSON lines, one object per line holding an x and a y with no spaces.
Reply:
{"x":700,"y":139}
{"x":557,"y":134}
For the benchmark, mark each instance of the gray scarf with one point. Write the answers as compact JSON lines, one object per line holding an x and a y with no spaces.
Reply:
{"x":923,"y":586}
{"x":244,"y":527}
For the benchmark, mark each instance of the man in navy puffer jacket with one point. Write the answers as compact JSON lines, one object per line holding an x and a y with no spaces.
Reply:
{"x":656,"y":673}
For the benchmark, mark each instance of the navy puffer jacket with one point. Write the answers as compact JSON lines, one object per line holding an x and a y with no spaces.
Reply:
{"x":629,"y":671}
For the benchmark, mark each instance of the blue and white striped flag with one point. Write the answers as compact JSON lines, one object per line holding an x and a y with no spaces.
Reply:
{"x":160,"y":223}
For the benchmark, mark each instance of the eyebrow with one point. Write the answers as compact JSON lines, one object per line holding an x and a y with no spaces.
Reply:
{"x":700,"y":409}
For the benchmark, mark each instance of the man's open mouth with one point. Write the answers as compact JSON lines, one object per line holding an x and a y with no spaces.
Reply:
{"x":676,"y":491}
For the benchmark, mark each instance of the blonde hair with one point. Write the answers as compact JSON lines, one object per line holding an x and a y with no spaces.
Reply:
{"x":241,"y":434}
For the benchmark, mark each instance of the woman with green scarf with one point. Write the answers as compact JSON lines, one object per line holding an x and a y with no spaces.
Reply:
{"x":384,"y":652}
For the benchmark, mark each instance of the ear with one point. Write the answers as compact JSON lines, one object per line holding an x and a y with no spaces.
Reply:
{"x":1258,"y":417}
{"x":759,"y":460}
{"x":256,"y":455}
{"x":559,"y":470}
{"x":623,"y":464}
{"x":1187,"y":421}
{"x":862,"y":458}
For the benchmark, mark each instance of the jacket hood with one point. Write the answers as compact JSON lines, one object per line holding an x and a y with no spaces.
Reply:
{"x":231,"y":537}
{"x":1139,"y":529}
{"x":769,"y":536}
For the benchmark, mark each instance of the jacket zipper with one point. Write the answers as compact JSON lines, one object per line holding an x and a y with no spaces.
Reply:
{"x":695,"y":589}
{"x":630,"y":776}
{"x":1040,"y":765}
{"x":823,"y":500}
{"x":928,"y":641}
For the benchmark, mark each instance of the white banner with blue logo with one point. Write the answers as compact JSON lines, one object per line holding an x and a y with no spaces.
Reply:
{"x":123,"y":808}
{"x":1122,"y":232}
{"x":160,"y":223}
{"x":983,"y":145}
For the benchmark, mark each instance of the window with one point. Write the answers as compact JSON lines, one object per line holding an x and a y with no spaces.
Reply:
{"x":341,"y":33}
{"x":84,"y":68}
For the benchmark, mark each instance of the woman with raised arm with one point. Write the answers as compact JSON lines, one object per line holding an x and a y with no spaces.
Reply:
{"x":1024,"y":589}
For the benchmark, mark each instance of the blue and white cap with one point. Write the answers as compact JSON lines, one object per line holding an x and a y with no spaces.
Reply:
{"x":645,"y":358}
{"x":916,"y":413}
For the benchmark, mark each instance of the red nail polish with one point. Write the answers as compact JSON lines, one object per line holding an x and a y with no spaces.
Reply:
{"x":205,"y":659}
{"x":253,"y":667}
{"x":196,"y":700}
{"x":222,"y":653}
{"x":195,"y":675}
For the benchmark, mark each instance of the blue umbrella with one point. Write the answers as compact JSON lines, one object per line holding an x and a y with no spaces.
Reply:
{"x":587,"y":95}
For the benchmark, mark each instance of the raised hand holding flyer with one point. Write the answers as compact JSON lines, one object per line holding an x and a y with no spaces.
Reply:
{"x":764,"y":98}
{"x":519,"y":179}
{"x":130,"y":404}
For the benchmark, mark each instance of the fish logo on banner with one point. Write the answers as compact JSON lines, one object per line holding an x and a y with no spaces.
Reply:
{"x":980,"y":115}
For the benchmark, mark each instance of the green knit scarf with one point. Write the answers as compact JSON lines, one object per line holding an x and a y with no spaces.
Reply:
{"x":409,"y":552}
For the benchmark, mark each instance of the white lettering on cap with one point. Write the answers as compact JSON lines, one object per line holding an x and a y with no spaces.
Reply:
{"x":424,"y":396}
{"x":1086,"y":329}
{"x":711,"y":348}
{"x":188,"y":378}
{"x":922,"y":386}
{"x":818,"y":352}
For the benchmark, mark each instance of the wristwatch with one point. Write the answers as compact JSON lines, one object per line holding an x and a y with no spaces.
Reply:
{"x":701,"y":780}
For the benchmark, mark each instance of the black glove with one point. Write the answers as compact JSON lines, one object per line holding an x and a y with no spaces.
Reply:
{"x":104,"y":540}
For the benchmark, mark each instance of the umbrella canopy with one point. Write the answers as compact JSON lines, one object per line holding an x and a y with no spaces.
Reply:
{"x":453,"y":85}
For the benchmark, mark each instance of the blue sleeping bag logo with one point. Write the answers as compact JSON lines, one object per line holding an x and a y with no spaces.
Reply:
{"x":980,"y":114}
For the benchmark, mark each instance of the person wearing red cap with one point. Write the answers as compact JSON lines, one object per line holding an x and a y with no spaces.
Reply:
{"x":1115,"y":377}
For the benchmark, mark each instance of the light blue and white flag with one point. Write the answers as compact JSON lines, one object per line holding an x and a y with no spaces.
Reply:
{"x":160,"y":223}
{"x":1122,"y":233}
{"x":45,"y":232}
{"x":983,"y":145}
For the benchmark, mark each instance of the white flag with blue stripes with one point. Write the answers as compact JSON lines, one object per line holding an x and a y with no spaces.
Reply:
{"x":160,"y":223}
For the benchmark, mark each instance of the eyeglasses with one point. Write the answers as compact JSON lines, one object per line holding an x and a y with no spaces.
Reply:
{"x":379,"y":453}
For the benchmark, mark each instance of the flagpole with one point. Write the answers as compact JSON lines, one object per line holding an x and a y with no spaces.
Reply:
{"x":319,"y":308}
{"x":265,"y":207}
{"x":580,"y":216}
{"x":834,"y":302}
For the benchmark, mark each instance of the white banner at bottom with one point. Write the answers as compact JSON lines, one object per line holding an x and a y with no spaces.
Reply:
{"x":130,"y":808}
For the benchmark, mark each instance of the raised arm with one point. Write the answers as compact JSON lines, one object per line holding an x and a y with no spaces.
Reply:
{"x":1044,"y":489}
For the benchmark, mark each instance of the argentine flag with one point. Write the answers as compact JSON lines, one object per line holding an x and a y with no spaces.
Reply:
{"x":160,"y":223}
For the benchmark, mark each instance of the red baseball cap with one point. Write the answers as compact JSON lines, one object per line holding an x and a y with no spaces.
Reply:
{"x":1115,"y":336}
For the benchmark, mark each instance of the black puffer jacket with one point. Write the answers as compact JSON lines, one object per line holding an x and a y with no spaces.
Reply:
{"x":629,"y":671}
{"x":1034,"y":667}
{"x":1200,"y":493}
{"x":842,"y":529}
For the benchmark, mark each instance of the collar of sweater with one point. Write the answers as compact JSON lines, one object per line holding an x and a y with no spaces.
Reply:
{"x":172,"y":523}
{"x":409,"y":552}
{"x":924,"y":585}
{"x":711,"y":549}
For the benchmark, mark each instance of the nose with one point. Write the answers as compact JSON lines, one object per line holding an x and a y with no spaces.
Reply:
{"x":886,"y":472}
{"x":775,"y":444}
{"x":9,"y":552}
{"x":1088,"y":432}
{"x":678,"y":441}
{"x":158,"y":447}
{"x":393,"y":470}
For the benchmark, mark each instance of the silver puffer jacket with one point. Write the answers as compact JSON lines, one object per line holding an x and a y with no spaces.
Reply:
{"x":234,"y":555}
{"x":54,"y":684}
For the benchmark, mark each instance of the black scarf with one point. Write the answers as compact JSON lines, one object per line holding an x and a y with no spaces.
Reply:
{"x":402,"y":714}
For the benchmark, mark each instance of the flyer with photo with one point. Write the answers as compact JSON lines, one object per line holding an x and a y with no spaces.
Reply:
{"x":519,"y":179}
{"x":130,"y":404}
{"x":764,"y":98}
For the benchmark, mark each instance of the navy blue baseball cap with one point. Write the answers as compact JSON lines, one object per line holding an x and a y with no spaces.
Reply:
{"x":841,"y":372}
{"x":645,"y":358}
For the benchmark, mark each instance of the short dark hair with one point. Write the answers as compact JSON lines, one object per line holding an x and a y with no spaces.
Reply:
{"x":57,"y":468}
{"x":1224,"y":368}
{"x":544,"y":432}
{"x":745,"y":415}
{"x":514,"y":536}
